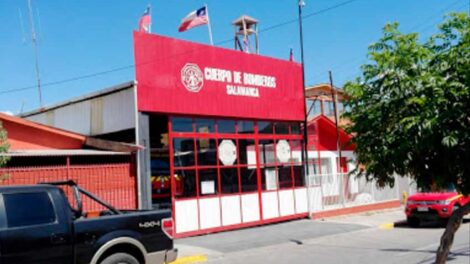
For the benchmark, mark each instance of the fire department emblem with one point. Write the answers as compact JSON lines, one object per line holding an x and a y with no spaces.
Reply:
{"x":192,"y":78}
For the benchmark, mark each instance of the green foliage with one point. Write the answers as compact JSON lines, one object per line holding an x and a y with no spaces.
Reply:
{"x":4,"y":146}
{"x":410,"y":109}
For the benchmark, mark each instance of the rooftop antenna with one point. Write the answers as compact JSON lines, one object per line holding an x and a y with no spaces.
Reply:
{"x":35,"y":48}
{"x":39,"y":33}
{"x":23,"y":35}
{"x":246,"y":28}
{"x":22,"y":107}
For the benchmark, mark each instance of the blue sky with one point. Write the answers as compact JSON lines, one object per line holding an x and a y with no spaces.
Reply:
{"x":81,"y":38}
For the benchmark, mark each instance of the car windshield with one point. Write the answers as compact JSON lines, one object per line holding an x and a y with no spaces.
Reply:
{"x":449,"y":188}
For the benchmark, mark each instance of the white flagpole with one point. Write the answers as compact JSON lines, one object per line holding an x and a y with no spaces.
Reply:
{"x":209,"y":25}
{"x":150,"y":15}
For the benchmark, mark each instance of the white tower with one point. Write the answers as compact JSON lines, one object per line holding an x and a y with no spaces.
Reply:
{"x":246,"y":34}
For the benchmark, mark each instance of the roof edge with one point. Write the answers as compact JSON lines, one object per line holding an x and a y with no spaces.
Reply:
{"x":62,"y":152}
{"x":328,"y":120}
{"x":99,"y":93}
{"x":57,"y":131}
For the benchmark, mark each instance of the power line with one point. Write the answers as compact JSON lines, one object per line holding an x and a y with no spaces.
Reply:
{"x":435,"y":24}
{"x":423,"y":26}
{"x":431,"y":17}
{"x":68,"y":80}
{"x":319,"y":12}
{"x":35,"y":47}
{"x":322,"y":11}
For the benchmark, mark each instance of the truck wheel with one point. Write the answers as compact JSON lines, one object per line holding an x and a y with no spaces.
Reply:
{"x":120,"y":258}
{"x":413,"y":221}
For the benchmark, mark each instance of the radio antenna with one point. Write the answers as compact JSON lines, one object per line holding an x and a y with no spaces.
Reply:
{"x":35,"y":48}
{"x":23,"y":35}
{"x":22,"y":107}
{"x":39,"y":30}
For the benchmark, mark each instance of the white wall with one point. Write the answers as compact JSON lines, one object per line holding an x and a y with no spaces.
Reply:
{"x":101,"y":115}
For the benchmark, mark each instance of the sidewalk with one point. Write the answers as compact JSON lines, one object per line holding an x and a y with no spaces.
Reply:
{"x":213,"y":246}
{"x":372,"y":219}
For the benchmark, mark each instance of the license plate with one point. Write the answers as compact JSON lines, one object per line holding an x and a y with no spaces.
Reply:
{"x":423,"y":209}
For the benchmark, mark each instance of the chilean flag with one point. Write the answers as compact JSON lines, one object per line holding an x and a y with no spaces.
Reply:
{"x":194,"y":19}
{"x":145,"y":21}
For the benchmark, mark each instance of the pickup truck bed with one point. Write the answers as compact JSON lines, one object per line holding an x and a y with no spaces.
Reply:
{"x":38,"y":225}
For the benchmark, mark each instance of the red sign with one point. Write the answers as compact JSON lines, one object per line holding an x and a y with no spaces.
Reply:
{"x":181,"y":77}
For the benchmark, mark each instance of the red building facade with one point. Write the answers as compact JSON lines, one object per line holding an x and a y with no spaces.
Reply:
{"x":334,"y":190}
{"x":226,"y":124}
{"x":39,"y":153}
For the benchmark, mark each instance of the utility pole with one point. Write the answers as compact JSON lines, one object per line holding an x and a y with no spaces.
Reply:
{"x":35,"y":48}
{"x":338,"y":140}
{"x":301,"y":4}
{"x":335,"y":109}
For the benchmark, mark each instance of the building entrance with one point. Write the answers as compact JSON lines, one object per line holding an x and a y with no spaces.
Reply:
{"x":229,"y":173}
{"x":160,"y":179}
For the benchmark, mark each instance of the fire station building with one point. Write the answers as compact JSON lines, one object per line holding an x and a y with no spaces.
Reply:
{"x":219,"y":138}
{"x":220,"y":131}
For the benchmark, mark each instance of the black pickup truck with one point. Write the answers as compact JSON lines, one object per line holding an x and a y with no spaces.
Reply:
{"x":39,"y":225}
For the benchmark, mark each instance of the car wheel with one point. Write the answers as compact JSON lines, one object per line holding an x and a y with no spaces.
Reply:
{"x":120,"y":258}
{"x":413,"y":221}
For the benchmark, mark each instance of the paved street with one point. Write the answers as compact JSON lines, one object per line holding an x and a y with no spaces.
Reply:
{"x":366,"y":238}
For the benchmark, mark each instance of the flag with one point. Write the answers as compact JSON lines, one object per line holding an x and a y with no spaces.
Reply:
{"x":145,"y":21}
{"x":291,"y":55}
{"x":194,"y":19}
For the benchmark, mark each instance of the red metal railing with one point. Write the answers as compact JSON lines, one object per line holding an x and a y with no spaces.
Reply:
{"x":113,"y":183}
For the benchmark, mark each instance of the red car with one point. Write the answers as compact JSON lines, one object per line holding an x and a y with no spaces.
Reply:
{"x":432,"y":206}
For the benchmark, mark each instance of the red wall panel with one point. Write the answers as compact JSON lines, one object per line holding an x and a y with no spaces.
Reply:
{"x":23,"y":137}
{"x":181,"y":77}
{"x":113,"y":183}
{"x":322,"y":135}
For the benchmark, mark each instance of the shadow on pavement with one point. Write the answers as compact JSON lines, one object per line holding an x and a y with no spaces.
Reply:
{"x":453,"y":255}
{"x":460,"y":252}
{"x":427,"y":224}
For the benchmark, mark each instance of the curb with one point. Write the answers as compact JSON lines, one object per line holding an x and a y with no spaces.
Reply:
{"x":387,"y":226}
{"x":190,"y":259}
{"x":392,"y":225}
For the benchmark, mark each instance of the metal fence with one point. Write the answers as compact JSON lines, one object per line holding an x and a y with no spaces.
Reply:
{"x":334,"y":191}
{"x":114,"y":183}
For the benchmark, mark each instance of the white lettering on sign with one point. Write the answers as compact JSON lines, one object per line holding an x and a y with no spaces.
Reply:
{"x":242,"y":91}
{"x":238,"y":83}
{"x":219,"y":75}
{"x":259,"y":80}
{"x":237,"y":77}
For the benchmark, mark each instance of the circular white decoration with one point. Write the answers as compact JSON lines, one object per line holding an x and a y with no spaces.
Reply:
{"x":283,"y":151}
{"x":227,"y":152}
{"x":192,"y":78}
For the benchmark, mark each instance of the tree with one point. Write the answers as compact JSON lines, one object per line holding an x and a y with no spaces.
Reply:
{"x":410,"y":112}
{"x":4,"y":146}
